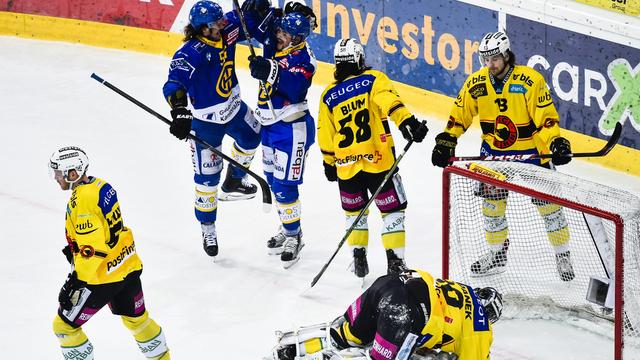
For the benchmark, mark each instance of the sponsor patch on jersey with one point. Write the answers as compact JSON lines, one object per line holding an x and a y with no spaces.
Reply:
{"x":478,"y":90}
{"x":517,"y":89}
{"x":126,"y":253}
{"x":232,"y":36}
{"x":181,"y":64}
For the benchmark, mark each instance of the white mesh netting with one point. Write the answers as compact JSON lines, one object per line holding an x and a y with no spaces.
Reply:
{"x":529,"y":277}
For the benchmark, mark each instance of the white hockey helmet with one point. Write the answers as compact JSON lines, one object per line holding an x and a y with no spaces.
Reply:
{"x":66,"y":159}
{"x":349,"y":51}
{"x":493,"y":44}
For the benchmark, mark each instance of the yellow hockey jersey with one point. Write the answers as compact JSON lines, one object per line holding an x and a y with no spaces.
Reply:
{"x":104,"y":250}
{"x":353,"y":126}
{"x":516,"y":114}
{"x":456,"y":321}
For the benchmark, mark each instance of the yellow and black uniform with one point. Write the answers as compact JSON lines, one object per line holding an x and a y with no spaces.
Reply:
{"x":517,"y":117}
{"x":106,"y":271}
{"x":399,"y":314}
{"x":516,"y":114}
{"x":355,"y":138}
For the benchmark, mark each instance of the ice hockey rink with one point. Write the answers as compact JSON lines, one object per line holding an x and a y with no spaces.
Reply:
{"x":223,"y":310}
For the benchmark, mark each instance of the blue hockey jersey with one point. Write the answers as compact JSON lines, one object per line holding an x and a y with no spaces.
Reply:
{"x":296,"y":67}
{"x":205,"y":70}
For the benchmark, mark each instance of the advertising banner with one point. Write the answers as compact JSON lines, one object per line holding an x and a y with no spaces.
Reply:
{"x":596,"y":82}
{"x":629,"y":7}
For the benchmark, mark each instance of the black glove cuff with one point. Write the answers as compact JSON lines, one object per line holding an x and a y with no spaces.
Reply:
{"x":446,"y":140}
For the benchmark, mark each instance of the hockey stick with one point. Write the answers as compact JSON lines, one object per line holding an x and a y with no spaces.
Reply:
{"x":245,"y":29}
{"x":264,"y":187}
{"x":613,"y":140}
{"x":366,"y":206}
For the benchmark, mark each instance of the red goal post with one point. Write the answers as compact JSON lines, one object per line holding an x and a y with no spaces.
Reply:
{"x":604,"y":241}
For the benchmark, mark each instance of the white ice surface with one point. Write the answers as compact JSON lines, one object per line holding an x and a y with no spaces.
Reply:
{"x":224,"y":310}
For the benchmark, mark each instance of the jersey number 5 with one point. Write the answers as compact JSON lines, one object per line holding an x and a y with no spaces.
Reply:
{"x":363,"y":133}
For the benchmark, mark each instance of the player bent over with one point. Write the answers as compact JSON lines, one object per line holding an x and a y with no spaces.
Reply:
{"x":105,"y":266}
{"x":203,"y":92}
{"x":403,"y":315}
{"x":287,"y":137}
{"x":517,"y":116}
{"x":358,"y":149}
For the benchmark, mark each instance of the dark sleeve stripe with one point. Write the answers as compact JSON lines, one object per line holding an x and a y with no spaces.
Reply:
{"x":396,"y":107}
{"x":327,"y":152}
{"x":544,"y":106}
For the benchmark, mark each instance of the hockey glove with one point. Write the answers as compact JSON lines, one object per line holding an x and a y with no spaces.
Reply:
{"x":68,"y":251}
{"x":70,"y":292}
{"x":263,"y":69}
{"x":330,"y":172}
{"x":412,"y":129}
{"x":304,"y":10}
{"x":560,"y":148}
{"x":181,"y":124}
{"x":260,"y":7}
{"x":444,"y":149}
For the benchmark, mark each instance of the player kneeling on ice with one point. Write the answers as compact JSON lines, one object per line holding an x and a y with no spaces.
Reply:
{"x":288,"y":130}
{"x":105,"y":266}
{"x":517,"y":117}
{"x":358,"y":149}
{"x":409,"y":315}
{"x":203,"y":92}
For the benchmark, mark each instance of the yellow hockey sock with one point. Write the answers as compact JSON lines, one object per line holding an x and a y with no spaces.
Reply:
{"x":393,"y":235}
{"x":555,"y":224}
{"x":495,"y":222}
{"x":359,"y":237}
{"x":73,"y":341}
{"x":148,"y":335}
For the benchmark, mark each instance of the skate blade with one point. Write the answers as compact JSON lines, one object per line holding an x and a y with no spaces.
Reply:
{"x":223,"y":196}
{"x":275,"y":251}
{"x":290,"y":263}
{"x":495,"y":271}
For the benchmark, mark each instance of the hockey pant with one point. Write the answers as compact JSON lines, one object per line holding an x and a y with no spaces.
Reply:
{"x":207,"y":166}
{"x":285,"y":146}
{"x":391,"y":201}
{"x":125,"y":298}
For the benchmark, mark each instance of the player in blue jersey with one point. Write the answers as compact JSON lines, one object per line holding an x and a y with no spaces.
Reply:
{"x":204,"y":95}
{"x":288,"y":131}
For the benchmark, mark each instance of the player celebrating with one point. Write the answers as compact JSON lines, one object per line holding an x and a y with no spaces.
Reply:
{"x":403,"y":314}
{"x":286,"y":138}
{"x":105,"y":266}
{"x":358,"y":150}
{"x":517,"y":116}
{"x":203,"y":71}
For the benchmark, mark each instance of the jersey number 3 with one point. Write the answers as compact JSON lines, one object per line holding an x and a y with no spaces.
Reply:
{"x":363,"y":133}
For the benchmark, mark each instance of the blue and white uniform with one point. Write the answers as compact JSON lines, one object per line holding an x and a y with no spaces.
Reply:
{"x":287,"y":137}
{"x":205,"y":70}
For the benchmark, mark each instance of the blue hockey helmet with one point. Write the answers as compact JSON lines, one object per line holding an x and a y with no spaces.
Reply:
{"x":205,"y":13}
{"x":295,"y":24}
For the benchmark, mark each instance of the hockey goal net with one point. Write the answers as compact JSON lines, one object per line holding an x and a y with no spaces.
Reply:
{"x":603,"y":241}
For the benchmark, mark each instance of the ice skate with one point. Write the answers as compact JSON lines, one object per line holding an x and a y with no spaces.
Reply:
{"x":236,"y":189}
{"x":492,"y":262}
{"x":209,"y":239}
{"x":395,"y":264}
{"x":360,"y":266}
{"x":291,"y":250}
{"x":563,"y":264}
{"x":274,"y":244}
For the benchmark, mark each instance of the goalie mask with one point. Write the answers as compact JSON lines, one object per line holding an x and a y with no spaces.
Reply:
{"x":493,"y":44}
{"x":66,"y":159}
{"x":491,"y":300}
{"x":349,"y":51}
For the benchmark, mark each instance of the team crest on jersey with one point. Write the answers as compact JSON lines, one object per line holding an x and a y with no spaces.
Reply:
{"x":225,"y":80}
{"x":507,"y":130}
{"x":87,"y":251}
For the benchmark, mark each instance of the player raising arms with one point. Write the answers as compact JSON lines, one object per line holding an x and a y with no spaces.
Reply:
{"x":105,"y":266}
{"x":358,"y":149}
{"x":204,"y":95}
{"x":400,"y":315}
{"x":517,"y":116}
{"x":286,"y":138}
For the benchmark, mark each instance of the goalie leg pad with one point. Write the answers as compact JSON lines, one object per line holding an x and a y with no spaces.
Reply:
{"x":495,"y":222}
{"x":149,"y":336}
{"x":555,"y":224}
{"x":206,"y":203}
{"x":360,"y":235}
{"x":73,"y":341}
{"x":393,"y":235}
